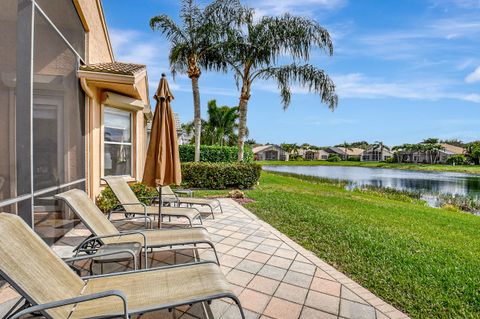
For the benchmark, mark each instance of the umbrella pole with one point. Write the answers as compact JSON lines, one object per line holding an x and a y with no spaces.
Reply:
{"x":159,"y":206}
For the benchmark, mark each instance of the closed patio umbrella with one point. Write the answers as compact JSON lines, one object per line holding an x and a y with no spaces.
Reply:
{"x":162,"y":166}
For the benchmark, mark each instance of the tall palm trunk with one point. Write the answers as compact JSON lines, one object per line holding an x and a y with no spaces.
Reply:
{"x":242,"y":125}
{"x":194,"y":74}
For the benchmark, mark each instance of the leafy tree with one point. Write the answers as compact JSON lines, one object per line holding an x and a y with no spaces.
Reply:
{"x":458,"y":159}
{"x":194,"y":43}
{"x":253,"y":51}
{"x":220,"y":128}
{"x":431,"y":147}
{"x":404,"y":152}
{"x":361,"y":144}
{"x":334,"y":158}
{"x":378,"y":147}
{"x":472,"y":151}
{"x":454,"y":142}
{"x":222,"y":124}
{"x":251,"y":143}
{"x":346,"y":147}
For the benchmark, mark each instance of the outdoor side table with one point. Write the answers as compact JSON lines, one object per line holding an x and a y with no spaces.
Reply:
{"x":118,"y":253}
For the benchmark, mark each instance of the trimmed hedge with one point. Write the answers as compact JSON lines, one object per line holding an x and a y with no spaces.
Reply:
{"x":214,"y":154}
{"x":220,"y":175}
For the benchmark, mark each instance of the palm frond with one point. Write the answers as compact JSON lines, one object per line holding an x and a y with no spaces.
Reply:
{"x":168,"y":27}
{"x":316,"y":80}
{"x":292,"y":35}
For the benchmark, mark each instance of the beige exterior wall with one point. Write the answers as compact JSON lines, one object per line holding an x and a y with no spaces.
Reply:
{"x":98,"y":47}
{"x":99,"y":51}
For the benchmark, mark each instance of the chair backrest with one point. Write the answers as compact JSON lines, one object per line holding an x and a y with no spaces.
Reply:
{"x":30,"y":266}
{"x":124,"y":194}
{"x":91,"y":216}
{"x":167,"y":192}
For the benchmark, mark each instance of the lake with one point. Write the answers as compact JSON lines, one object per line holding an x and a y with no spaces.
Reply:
{"x":425,"y":182}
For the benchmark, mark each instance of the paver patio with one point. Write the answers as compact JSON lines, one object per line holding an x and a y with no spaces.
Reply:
{"x":273,"y":276}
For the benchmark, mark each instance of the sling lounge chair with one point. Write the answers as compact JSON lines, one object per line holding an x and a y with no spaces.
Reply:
{"x":171,"y":196}
{"x":132,"y":205}
{"x":106,"y":233}
{"x":49,"y":286}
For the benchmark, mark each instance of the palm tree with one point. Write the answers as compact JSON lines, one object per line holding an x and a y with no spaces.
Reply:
{"x":220,"y":128}
{"x":346,"y":147}
{"x":378,"y":145}
{"x":402,"y":151}
{"x":194,"y":44}
{"x":222,"y":121}
{"x":253,"y":51}
{"x":432,"y":148}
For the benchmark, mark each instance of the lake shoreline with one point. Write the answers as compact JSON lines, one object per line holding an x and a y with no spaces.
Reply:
{"x":425,"y":182}
{"x":466,"y":169}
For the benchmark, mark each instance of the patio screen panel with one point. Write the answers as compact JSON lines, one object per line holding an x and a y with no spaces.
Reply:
{"x":42,"y":111}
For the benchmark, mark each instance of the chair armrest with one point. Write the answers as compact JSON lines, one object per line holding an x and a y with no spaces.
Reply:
{"x":109,"y":253}
{"x":125,"y":233}
{"x":147,"y":219}
{"x":75,"y":300}
{"x":184,"y":191}
{"x":126,"y":211}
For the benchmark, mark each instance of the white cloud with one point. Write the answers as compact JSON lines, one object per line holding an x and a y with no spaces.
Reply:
{"x":474,"y":76}
{"x":471,"y":98}
{"x":468,"y":4}
{"x":356,"y":85}
{"x":304,"y":7}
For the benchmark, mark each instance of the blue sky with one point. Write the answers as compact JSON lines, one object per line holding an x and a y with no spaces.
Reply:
{"x":404,"y":69}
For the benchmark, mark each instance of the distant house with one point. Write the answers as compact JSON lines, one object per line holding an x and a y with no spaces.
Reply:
{"x":345,"y":154}
{"x":313,"y":155}
{"x":449,"y":151}
{"x":424,"y":157}
{"x":270,"y":153}
{"x":373,"y":154}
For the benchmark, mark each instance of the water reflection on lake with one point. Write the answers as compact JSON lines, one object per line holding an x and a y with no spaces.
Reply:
{"x":425,"y":182}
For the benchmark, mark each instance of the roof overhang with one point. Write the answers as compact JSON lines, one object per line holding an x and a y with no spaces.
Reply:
{"x":119,"y":83}
{"x":122,"y":84}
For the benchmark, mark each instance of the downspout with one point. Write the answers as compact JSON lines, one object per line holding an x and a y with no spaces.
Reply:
{"x":86,"y":88}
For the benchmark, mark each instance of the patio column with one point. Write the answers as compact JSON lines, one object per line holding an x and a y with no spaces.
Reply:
{"x":24,"y":108}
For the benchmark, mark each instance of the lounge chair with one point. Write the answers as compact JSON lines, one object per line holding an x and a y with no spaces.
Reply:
{"x":106,"y":233}
{"x":49,"y":286}
{"x":171,"y":196}
{"x":132,"y":205}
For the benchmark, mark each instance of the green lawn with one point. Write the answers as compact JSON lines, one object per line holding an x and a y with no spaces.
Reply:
{"x":469,"y":169}
{"x":424,"y":261}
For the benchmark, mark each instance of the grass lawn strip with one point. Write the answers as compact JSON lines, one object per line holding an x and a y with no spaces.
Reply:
{"x":422,"y":260}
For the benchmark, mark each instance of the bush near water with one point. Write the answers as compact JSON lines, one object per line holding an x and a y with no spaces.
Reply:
{"x":214,"y":154}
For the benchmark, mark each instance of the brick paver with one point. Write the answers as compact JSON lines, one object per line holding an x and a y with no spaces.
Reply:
{"x":273,"y":276}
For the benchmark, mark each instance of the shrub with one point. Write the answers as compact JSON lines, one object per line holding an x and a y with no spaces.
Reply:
{"x":236,"y":193}
{"x":334,"y":158}
{"x":214,"y":154}
{"x":464,"y":203}
{"x":295,"y":157}
{"x":353,"y":159}
{"x":391,"y":160}
{"x":457,"y":160}
{"x":107,"y":200}
{"x":220,"y":175}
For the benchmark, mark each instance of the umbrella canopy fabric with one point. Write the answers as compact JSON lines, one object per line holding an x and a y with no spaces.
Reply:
{"x":162,"y":166}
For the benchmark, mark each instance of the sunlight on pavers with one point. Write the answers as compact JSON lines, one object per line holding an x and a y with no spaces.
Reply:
{"x":272,"y":275}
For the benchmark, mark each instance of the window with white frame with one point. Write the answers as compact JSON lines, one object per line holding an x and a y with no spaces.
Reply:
{"x":117,"y":156}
